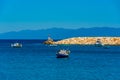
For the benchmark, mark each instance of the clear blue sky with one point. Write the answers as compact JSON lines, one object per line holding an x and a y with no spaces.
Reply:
{"x":38,"y":14}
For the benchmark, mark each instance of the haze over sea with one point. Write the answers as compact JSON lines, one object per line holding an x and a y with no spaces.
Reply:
{"x":36,"y":61}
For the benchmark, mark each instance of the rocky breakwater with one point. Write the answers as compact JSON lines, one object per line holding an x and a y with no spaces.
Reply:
{"x":90,"y":40}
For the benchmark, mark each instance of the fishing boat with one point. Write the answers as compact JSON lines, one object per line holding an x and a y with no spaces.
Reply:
{"x":16,"y":45}
{"x":98,"y":43}
{"x":63,"y":53}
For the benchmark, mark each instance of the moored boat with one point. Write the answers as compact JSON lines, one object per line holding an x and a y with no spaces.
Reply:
{"x":16,"y":45}
{"x":63,"y":53}
{"x":98,"y":43}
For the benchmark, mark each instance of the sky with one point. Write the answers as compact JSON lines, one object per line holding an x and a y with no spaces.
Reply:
{"x":18,"y":15}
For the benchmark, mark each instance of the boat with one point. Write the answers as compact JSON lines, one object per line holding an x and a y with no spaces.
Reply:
{"x":16,"y":45}
{"x":63,"y":53}
{"x":98,"y":43}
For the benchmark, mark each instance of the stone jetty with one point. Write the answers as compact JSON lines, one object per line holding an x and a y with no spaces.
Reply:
{"x":90,"y":40}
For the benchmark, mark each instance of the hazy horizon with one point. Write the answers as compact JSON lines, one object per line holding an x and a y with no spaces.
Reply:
{"x":62,"y":33}
{"x":59,"y":28}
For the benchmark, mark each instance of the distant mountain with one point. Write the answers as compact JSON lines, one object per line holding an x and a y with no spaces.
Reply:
{"x":60,"y":33}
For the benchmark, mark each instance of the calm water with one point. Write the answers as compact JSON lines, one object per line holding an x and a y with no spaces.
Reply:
{"x":35,"y":61}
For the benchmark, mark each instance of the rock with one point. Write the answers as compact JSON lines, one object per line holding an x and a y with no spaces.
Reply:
{"x":90,"y":40}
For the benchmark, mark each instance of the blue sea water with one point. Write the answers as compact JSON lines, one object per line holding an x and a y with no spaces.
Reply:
{"x":35,"y":61}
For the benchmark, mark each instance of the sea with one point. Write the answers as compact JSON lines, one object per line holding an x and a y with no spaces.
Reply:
{"x":37,"y":61}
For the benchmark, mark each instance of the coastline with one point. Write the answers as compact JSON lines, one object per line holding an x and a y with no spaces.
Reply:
{"x":90,"y":40}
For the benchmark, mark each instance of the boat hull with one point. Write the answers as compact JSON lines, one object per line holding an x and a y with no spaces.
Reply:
{"x":98,"y":45}
{"x":17,"y":46}
{"x":61,"y":56}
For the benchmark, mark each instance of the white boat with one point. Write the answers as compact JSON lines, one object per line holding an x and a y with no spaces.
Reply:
{"x":98,"y":43}
{"x":16,"y":45}
{"x":63,"y":53}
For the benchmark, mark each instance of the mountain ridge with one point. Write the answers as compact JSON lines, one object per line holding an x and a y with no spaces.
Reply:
{"x":61,"y":33}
